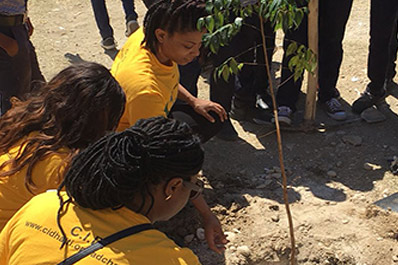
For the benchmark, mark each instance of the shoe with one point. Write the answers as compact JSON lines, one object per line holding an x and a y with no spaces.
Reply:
{"x":334,"y":109}
{"x":131,"y":27}
{"x":108,"y":43}
{"x":284,"y":115}
{"x":367,"y":100}
{"x":257,"y":115}
{"x":228,"y":132}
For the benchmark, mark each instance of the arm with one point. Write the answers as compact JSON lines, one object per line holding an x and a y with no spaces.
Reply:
{"x":202,"y":106}
{"x":214,"y":235}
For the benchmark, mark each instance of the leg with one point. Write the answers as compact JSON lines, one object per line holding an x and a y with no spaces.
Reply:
{"x":332,"y":22}
{"x":289,"y":91}
{"x":393,"y":54}
{"x":37,"y":76}
{"x":199,"y":124}
{"x":382,"y":22}
{"x":383,"y":19}
{"x":129,"y":10}
{"x":102,"y":18}
{"x":15,"y":72}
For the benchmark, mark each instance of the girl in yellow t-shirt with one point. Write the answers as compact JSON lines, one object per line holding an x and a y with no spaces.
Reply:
{"x":146,"y":69}
{"x":40,"y":135}
{"x":139,"y":176}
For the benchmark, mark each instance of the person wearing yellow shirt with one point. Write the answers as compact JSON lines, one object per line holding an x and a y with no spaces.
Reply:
{"x":39,"y":136}
{"x":146,"y":68}
{"x":139,"y":176}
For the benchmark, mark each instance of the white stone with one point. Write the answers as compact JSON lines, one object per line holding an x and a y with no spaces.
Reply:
{"x":244,"y":251}
{"x":200,"y":233}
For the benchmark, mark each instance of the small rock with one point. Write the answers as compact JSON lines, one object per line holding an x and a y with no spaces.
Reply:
{"x":352,"y":139}
{"x":395,"y":258}
{"x":230,"y":236}
{"x":339,"y":163}
{"x":276,"y":175}
{"x":276,"y":169}
{"x":200,"y":233}
{"x":232,"y":248}
{"x":345,"y":221}
{"x":370,"y":166}
{"x":189,"y":238}
{"x":331,"y":174}
{"x":333,"y":143}
{"x":244,"y":251}
{"x":275,"y":218}
{"x":274,"y":207}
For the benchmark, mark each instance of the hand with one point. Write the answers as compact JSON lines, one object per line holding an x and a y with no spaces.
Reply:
{"x":203,"y":107}
{"x":214,"y":235}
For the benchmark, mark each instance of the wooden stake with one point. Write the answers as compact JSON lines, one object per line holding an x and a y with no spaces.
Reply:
{"x":310,"y":101}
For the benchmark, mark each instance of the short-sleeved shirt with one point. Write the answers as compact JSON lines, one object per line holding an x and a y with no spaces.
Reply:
{"x":32,"y":236}
{"x":151,"y":87}
{"x":46,"y":174}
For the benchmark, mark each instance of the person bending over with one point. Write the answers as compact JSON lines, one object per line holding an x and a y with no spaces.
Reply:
{"x":139,"y":176}
{"x":146,"y":68}
{"x":40,"y":135}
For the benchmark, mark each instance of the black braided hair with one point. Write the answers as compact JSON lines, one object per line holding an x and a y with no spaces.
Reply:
{"x":172,"y":16}
{"x":120,"y":166}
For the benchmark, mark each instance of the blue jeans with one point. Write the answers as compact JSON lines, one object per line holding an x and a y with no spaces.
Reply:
{"x":102,"y":17}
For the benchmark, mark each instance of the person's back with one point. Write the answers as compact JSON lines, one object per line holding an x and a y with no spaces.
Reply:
{"x":13,"y":191}
{"x":40,"y":135}
{"x":35,"y":229}
{"x":142,"y":175}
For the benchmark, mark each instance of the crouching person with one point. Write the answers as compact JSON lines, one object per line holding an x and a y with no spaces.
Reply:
{"x":126,"y":180}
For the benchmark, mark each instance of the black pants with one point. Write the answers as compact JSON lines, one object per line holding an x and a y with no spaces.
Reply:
{"x":391,"y":72}
{"x":18,"y":72}
{"x":252,"y":79}
{"x":383,"y":23}
{"x":333,"y":16}
{"x":199,"y":124}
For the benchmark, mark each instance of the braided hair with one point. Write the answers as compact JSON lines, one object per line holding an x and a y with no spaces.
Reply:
{"x":172,"y":16}
{"x":120,"y":166}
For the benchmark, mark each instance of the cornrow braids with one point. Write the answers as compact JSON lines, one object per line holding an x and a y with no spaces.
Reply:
{"x":120,"y":166}
{"x":172,"y":16}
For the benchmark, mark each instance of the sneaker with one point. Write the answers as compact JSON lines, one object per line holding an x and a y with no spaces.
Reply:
{"x":108,"y":43}
{"x":131,"y":27}
{"x":367,"y":100}
{"x":284,"y":115}
{"x":334,"y":109}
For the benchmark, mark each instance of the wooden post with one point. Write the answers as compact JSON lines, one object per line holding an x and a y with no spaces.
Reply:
{"x":310,"y":101}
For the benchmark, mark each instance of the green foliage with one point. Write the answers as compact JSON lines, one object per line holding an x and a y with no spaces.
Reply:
{"x":226,"y":18}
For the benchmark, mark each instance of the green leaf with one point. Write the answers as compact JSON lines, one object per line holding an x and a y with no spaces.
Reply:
{"x":291,"y":48}
{"x":200,"y":24}
{"x":210,"y":23}
{"x":233,"y":66}
{"x":209,"y":6}
{"x":225,"y":73}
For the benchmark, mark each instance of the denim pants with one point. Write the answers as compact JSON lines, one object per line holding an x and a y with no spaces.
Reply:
{"x":102,"y":17}
{"x":383,"y":23}
{"x":333,"y":16}
{"x":17,"y":73}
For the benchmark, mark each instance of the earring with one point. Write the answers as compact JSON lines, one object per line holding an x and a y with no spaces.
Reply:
{"x":168,"y":197}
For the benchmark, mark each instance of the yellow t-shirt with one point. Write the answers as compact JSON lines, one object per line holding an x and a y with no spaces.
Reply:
{"x":14,"y":194}
{"x":33,"y":237}
{"x":151,"y":87}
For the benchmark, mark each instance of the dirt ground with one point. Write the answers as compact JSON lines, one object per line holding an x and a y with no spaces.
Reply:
{"x":334,"y":175}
